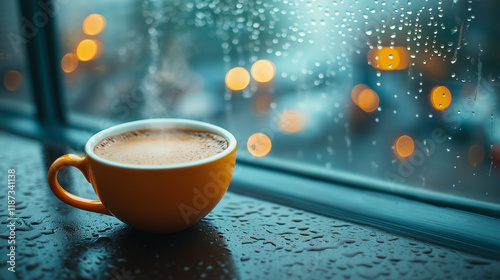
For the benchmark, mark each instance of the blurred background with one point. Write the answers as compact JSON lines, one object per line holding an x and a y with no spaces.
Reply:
{"x":394,"y":92}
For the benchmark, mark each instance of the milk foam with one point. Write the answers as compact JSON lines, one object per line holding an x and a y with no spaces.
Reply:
{"x":160,"y":146}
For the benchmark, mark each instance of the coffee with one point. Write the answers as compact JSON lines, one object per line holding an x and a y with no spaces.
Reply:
{"x":160,"y":146}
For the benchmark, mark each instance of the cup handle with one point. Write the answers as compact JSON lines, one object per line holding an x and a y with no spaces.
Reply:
{"x":79,"y":202}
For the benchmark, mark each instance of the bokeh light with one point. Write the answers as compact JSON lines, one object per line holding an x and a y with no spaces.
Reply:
{"x":87,"y":49}
{"x":237,"y":78}
{"x":404,"y":146}
{"x":440,"y":98}
{"x":356,"y":90}
{"x":368,"y":100}
{"x":12,"y":80}
{"x":476,"y":155}
{"x":259,"y":144}
{"x":263,"y":71}
{"x":69,"y":62}
{"x":291,"y":121}
{"x":94,"y":24}
{"x":389,"y":58}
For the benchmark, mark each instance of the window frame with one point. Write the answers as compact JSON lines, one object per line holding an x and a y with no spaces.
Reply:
{"x":462,"y":224}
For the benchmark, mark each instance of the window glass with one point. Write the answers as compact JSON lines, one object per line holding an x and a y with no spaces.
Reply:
{"x":15,"y":88}
{"x":400,"y":92}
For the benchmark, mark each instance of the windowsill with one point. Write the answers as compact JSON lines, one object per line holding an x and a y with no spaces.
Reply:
{"x":242,"y":238}
{"x":450,"y":227}
{"x":462,"y":230}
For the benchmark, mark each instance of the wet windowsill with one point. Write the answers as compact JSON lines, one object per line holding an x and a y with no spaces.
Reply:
{"x":242,"y":238}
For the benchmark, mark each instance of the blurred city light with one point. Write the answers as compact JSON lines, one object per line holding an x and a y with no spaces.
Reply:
{"x":237,"y":78}
{"x":12,"y":80}
{"x":356,"y":90}
{"x":365,"y":98}
{"x":69,"y":63}
{"x":440,"y":98}
{"x":389,"y":58}
{"x":259,"y":144}
{"x":263,"y":71}
{"x":94,"y":24}
{"x":291,"y":121}
{"x":87,"y":49}
{"x":404,"y":146}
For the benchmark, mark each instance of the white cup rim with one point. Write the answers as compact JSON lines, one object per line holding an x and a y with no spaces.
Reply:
{"x":160,"y":123}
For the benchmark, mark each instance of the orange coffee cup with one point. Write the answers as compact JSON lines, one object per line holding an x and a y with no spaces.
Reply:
{"x":152,"y":198}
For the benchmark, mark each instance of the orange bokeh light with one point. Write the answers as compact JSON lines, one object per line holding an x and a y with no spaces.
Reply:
{"x":69,"y":62}
{"x":291,"y":121}
{"x":12,"y":80}
{"x":263,"y":71}
{"x":94,"y":24}
{"x":259,"y":144}
{"x":356,"y":90}
{"x":440,"y":98}
{"x":389,"y":58}
{"x":404,"y":146}
{"x":368,"y":100}
{"x":87,"y":49}
{"x":237,"y":78}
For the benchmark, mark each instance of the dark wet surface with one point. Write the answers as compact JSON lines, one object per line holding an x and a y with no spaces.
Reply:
{"x":243,"y":238}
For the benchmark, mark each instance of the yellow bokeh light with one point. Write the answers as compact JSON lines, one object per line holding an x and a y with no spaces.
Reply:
{"x":94,"y":24}
{"x":69,"y":62}
{"x":291,"y":121}
{"x":404,"y":146}
{"x":237,"y":78}
{"x":12,"y":80}
{"x":440,"y":98}
{"x":476,"y":155}
{"x":263,"y":71}
{"x":389,"y":58}
{"x":368,"y":100}
{"x":259,"y":144}
{"x":87,"y":49}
